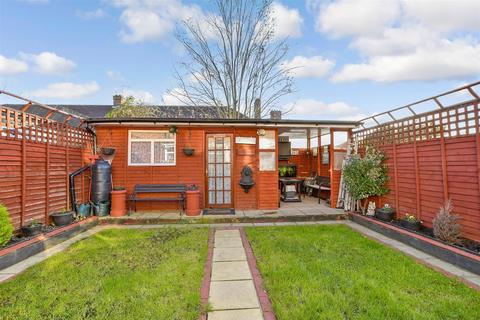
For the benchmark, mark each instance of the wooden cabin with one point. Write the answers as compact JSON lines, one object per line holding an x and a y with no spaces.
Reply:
{"x":157,"y":151}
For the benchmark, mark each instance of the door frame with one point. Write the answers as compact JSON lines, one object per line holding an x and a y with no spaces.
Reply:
{"x":232,"y":170}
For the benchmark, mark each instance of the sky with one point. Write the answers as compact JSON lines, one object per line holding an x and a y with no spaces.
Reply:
{"x":352,"y":58}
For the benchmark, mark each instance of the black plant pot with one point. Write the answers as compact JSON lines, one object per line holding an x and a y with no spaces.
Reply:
{"x":415,"y":226}
{"x":188,"y":151}
{"x":62,"y":219}
{"x":30,"y":231}
{"x":108,"y":151}
{"x":385,"y":215}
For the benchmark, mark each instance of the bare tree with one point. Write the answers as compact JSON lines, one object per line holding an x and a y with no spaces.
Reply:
{"x":234,"y":60}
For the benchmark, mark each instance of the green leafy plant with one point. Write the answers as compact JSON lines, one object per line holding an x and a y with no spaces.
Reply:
{"x":366,"y":176}
{"x":282,"y":171}
{"x":119,"y":188}
{"x":130,"y":108}
{"x":33,"y":223}
{"x":411,"y":218}
{"x":6,"y":227}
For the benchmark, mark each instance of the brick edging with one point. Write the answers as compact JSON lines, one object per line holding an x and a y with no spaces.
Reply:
{"x":207,"y":274}
{"x":265,"y":303}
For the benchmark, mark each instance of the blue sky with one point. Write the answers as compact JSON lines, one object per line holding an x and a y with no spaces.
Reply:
{"x":355,"y":57}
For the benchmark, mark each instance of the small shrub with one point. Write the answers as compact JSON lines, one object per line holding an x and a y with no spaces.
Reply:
{"x":446,"y":225}
{"x":130,"y":108}
{"x":6,"y":228}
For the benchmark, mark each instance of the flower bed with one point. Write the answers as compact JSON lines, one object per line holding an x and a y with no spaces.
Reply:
{"x":21,"y":248}
{"x":423,"y":240}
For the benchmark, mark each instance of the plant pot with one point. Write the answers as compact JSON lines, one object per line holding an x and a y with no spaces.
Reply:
{"x":193,"y":203}
{"x":108,"y":151}
{"x":415,"y":226}
{"x":62,"y":218}
{"x":385,"y":215}
{"x":30,"y":231}
{"x":188,"y":151}
{"x":119,"y":200}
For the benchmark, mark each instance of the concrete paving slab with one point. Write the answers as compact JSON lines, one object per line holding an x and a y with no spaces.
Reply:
{"x":5,"y":276}
{"x":225,"y":242}
{"x":243,"y":314}
{"x":229,"y":254}
{"x":227,"y":295}
{"x":474,"y":279}
{"x":231,"y":270}
{"x":227,"y":234}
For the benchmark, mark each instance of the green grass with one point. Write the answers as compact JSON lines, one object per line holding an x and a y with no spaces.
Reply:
{"x":332,"y":272}
{"x":115,"y":274}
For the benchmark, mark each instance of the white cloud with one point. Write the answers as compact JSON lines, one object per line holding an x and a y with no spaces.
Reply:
{"x":404,"y":40}
{"x":169,"y":98}
{"x":115,"y":75}
{"x":356,"y":17}
{"x":11,"y":66}
{"x":150,"y":20}
{"x":315,"y":66}
{"x":444,"y":15}
{"x":144,"y":96}
{"x":288,"y":22}
{"x":67,"y":90}
{"x":89,"y":15}
{"x":443,"y":60}
{"x":311,"y":108}
{"x":50,"y":63}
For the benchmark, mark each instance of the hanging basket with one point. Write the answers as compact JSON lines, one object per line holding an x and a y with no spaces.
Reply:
{"x":188,"y":151}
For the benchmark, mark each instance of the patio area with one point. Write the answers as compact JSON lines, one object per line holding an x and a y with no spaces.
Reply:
{"x":308,"y":209}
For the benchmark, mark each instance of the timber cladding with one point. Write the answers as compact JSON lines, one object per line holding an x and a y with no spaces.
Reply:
{"x":192,"y":169}
{"x":36,"y":156}
{"x":432,"y":158}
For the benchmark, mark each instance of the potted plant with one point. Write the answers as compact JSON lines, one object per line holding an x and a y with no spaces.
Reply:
{"x":119,"y":200}
{"x":32,"y":228}
{"x":62,"y":218}
{"x":366,"y":176}
{"x":193,"y":201}
{"x":411,"y":222}
{"x":386,"y":213}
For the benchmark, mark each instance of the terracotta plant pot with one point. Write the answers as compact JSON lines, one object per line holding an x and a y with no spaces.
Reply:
{"x":193,"y":202}
{"x":119,"y":200}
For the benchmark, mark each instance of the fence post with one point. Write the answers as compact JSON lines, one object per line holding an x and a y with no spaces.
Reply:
{"x":417,"y":173}
{"x":47,"y":171}
{"x":24,"y":170}
{"x":67,"y":163}
{"x":443,"y":154}
{"x":395,"y":176}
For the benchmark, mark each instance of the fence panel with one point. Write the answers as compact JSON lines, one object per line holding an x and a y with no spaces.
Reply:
{"x":432,"y":157}
{"x":36,"y":156}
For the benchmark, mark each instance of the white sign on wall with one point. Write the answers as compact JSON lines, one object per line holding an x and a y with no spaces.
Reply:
{"x":245,"y":140}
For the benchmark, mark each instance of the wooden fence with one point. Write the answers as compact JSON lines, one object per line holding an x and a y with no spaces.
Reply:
{"x":433,"y":157}
{"x":36,"y":157}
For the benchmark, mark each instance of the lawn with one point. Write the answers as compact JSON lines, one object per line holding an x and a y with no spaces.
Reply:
{"x":332,"y":272}
{"x":115,"y":274}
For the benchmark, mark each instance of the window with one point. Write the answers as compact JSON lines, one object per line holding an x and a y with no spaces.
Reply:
{"x":267,"y":145}
{"x":151,"y":148}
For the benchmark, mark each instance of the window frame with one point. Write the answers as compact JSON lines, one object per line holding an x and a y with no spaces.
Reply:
{"x":152,"y":148}
{"x":268,"y":150}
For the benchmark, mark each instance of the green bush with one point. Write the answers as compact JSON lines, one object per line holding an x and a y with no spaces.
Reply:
{"x":6,"y":228}
{"x":366,"y":176}
{"x":130,"y":108}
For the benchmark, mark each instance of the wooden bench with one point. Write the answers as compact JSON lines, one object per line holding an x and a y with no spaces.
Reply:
{"x":318,"y":183}
{"x":140,"y":189}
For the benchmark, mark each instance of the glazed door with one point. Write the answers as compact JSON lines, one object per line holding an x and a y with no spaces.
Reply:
{"x":219,"y":170}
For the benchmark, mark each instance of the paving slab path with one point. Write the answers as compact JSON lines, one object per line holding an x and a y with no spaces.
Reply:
{"x":232,"y":293}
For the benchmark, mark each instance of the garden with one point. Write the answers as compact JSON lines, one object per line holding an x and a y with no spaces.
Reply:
{"x":332,"y":272}
{"x":114,"y":274}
